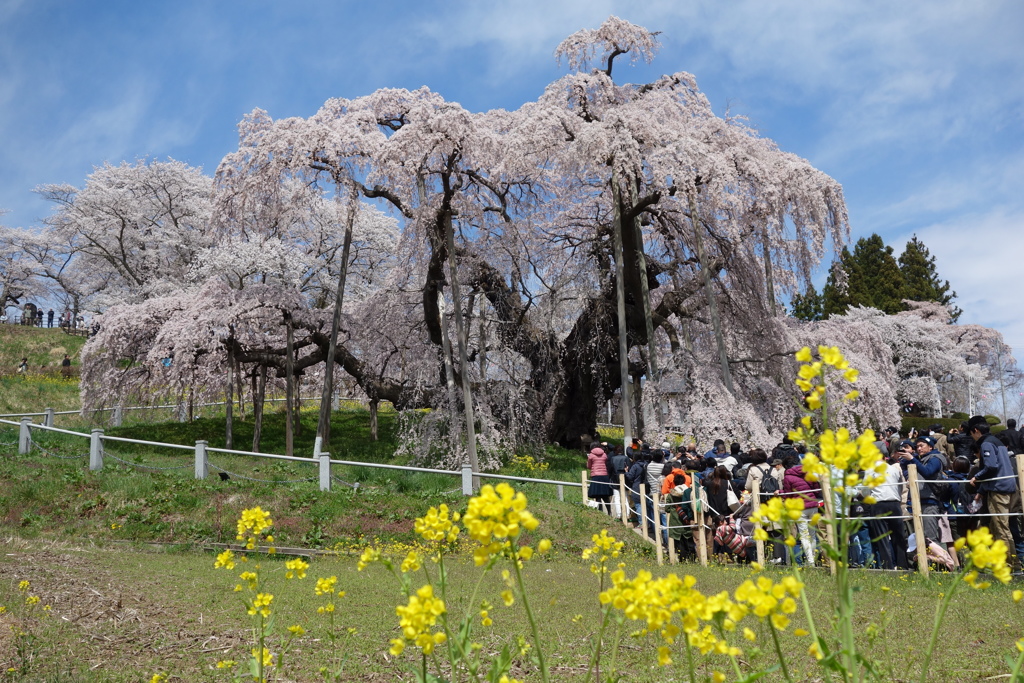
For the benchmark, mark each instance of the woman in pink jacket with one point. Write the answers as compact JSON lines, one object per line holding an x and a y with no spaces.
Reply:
{"x":600,"y":488}
{"x":795,"y":485}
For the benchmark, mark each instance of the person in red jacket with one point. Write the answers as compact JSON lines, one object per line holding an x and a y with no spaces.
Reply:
{"x":795,"y":485}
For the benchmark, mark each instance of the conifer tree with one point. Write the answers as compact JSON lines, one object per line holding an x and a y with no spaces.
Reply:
{"x":808,"y":306}
{"x":835,"y":295}
{"x":920,"y":278}
{"x":881,"y":282}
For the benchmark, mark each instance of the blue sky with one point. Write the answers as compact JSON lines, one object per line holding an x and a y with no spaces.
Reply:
{"x":917,"y":108}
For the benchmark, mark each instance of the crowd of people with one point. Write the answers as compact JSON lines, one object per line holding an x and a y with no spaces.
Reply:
{"x":966,"y":479}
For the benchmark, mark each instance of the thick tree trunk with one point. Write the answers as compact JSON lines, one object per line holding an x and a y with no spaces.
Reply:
{"x":373,"y":419}
{"x":716,"y":321}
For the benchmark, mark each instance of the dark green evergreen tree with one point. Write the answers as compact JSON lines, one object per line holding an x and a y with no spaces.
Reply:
{"x":880,"y":283}
{"x":808,"y":306}
{"x":920,"y":278}
{"x":835,"y":297}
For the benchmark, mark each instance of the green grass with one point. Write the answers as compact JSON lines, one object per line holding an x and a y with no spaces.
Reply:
{"x":123,"y":614}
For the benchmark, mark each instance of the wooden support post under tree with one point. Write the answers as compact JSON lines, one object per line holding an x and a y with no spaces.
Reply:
{"x":462,"y":334}
{"x":755,"y":502}
{"x":323,"y":429}
{"x":289,"y":370}
{"x":915,"y":504}
{"x":626,"y":401}
{"x":229,"y":403}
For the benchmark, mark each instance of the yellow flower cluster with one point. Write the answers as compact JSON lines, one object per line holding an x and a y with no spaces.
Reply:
{"x":325,"y":586}
{"x":984,"y":553}
{"x":830,"y":356}
{"x":261,"y":605}
{"x":417,"y":619}
{"x":226,"y":560}
{"x":776,"y":510}
{"x":369,"y":556}
{"x":605,"y":548}
{"x":655,"y":601}
{"x":437,"y":525}
{"x":251,"y":526}
{"x":494,"y":518}
{"x":769,"y":600}
{"x":296,"y":568}
{"x":849,"y":457}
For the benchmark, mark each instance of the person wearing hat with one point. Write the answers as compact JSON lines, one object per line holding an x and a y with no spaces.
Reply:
{"x":930,"y":465}
{"x":994,"y":479}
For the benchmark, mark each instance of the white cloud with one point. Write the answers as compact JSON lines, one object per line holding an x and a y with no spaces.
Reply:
{"x":980,"y":254}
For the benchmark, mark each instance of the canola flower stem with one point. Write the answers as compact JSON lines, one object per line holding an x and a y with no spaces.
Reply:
{"x":615,"y":649}
{"x":1017,"y":664}
{"x":595,"y":657}
{"x":533,"y":622}
{"x":689,"y":658}
{"x":810,"y":617}
{"x":732,"y":658}
{"x":778,"y":652}
{"x":940,"y":614}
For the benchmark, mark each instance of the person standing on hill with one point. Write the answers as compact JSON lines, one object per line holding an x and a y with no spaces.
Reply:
{"x":65,"y":366}
{"x":23,"y":366}
{"x":49,"y":318}
{"x":600,"y":488}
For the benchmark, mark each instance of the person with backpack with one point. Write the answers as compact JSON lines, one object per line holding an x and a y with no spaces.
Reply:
{"x":635,"y":476}
{"x":931,"y":466}
{"x":995,"y":479}
{"x":761,"y":473}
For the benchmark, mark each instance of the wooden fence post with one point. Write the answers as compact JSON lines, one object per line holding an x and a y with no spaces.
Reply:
{"x":915,"y":504}
{"x":643,"y":510}
{"x":755,"y":502}
{"x":830,"y":514}
{"x":583,"y":480}
{"x":698,"y":517}
{"x":1020,"y":477}
{"x":656,"y":496}
{"x":623,"y":501}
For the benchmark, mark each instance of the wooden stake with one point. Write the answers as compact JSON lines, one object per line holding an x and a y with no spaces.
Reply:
{"x":643,"y":510}
{"x":915,"y":504}
{"x":657,"y":527}
{"x":583,"y":479}
{"x":702,"y":540}
{"x":623,"y":501}
{"x":830,"y":513}
{"x":755,"y":501}
{"x":673,"y":558}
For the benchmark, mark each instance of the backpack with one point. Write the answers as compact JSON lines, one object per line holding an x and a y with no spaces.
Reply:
{"x":770,"y":486}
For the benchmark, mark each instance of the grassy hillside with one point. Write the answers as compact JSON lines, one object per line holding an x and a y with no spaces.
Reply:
{"x":43,"y":386}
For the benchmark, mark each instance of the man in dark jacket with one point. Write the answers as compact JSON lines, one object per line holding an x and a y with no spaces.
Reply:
{"x":1012,"y":438}
{"x":995,"y":480}
{"x":930,"y":464}
{"x":963,"y":444}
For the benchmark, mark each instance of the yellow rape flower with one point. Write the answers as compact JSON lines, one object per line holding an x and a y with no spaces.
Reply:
{"x":226,"y":560}
{"x":296,"y":568}
{"x":261,"y":604}
{"x":297,"y":630}
{"x":412,"y":562}
{"x":263,"y":655}
{"x":369,"y":556}
{"x":226,"y":663}
{"x":437,"y":525}
{"x":325,"y":586}
{"x":418,"y":617}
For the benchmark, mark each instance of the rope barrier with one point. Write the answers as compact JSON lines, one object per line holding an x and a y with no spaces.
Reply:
{"x":146,"y":467}
{"x":235,"y":475}
{"x":33,"y":443}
